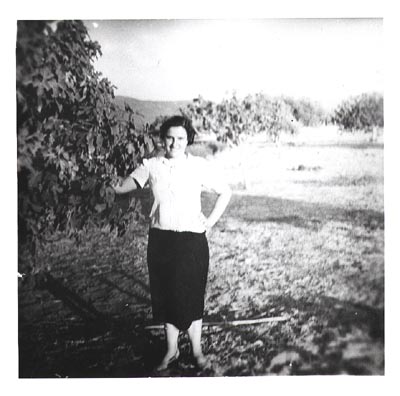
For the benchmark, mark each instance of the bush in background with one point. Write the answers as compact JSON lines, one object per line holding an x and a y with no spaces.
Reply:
{"x":360,"y":113}
{"x":232,"y":119}
{"x":307,"y":112}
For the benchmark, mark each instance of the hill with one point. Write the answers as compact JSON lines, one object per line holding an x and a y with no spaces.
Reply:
{"x":148,"y":110}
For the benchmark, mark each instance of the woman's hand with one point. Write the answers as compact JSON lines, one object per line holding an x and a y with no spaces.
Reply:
{"x":220,"y":205}
{"x":122,"y":186}
{"x":117,"y":183}
{"x":208,"y":224}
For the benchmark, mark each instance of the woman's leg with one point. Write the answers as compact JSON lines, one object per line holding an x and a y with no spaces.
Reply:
{"x":194,"y":332}
{"x":171,"y":335}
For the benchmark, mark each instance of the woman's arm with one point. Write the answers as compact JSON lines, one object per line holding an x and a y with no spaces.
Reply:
{"x":126,"y":186}
{"x":220,"y":205}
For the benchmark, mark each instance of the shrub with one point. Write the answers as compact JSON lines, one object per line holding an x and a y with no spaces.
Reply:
{"x":360,"y":113}
{"x":232,"y":119}
{"x":306,"y":112}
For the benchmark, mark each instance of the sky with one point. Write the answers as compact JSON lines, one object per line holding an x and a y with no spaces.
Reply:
{"x":326,"y":59}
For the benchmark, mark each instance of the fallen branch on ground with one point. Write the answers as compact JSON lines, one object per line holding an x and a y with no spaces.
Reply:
{"x":232,"y":322}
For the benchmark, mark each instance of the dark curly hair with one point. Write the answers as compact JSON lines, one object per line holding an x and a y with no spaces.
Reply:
{"x":178,"y":121}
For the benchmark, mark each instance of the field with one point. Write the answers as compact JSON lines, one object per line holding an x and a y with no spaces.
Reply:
{"x":302,"y":239}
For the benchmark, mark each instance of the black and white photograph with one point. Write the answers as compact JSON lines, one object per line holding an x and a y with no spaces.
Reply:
{"x":200,"y":197}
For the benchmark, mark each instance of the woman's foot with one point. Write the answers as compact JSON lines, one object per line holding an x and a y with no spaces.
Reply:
{"x":168,"y":359}
{"x":194,"y":332}
{"x":200,"y":361}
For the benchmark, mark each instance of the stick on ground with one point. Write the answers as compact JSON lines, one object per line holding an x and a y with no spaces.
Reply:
{"x":232,"y":322}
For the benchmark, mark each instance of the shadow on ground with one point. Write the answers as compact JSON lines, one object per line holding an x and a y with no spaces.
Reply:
{"x":91,"y":344}
{"x":259,"y":208}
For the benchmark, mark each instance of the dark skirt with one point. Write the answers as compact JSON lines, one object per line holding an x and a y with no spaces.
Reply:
{"x":178,"y":267}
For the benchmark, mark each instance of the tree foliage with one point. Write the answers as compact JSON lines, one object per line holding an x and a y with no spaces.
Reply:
{"x":72,"y":139}
{"x":233,"y":118}
{"x":306,"y":112}
{"x":363,"y":112}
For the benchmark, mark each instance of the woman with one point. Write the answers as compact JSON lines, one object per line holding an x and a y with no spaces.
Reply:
{"x":177,"y":252}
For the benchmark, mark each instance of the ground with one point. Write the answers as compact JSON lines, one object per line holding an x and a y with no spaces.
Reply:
{"x":302,"y":240}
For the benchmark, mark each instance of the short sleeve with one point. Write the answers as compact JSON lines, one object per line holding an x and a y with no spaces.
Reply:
{"x":212,"y":177}
{"x":141,"y":173}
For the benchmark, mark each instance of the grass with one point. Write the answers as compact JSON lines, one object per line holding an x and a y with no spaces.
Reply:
{"x":307,"y":244}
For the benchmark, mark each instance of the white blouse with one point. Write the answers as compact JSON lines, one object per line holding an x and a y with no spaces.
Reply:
{"x":176,"y":186}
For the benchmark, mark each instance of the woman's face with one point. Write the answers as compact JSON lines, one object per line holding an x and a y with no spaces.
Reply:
{"x":175,"y":142}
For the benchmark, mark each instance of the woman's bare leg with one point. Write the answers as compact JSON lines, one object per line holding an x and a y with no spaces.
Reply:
{"x":171,"y":335}
{"x":194,"y":332}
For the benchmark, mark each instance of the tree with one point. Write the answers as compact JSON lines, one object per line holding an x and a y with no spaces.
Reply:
{"x":233,"y":118}
{"x":306,"y":112}
{"x":363,"y":112}
{"x":72,"y":139}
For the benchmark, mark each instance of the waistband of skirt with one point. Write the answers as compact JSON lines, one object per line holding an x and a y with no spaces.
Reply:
{"x":156,"y":230}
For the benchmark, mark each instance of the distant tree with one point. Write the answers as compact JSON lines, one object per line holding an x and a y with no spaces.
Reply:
{"x":306,"y":112}
{"x":360,"y":113}
{"x":234,"y":118}
{"x":278,"y":117}
{"x":72,"y":139}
